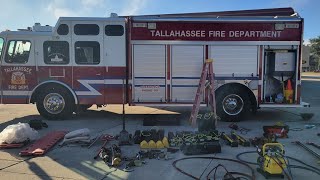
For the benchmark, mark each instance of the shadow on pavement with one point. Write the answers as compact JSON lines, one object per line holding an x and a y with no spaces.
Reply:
{"x":79,"y":160}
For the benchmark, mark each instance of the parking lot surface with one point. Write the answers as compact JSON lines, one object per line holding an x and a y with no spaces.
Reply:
{"x":76,"y":162}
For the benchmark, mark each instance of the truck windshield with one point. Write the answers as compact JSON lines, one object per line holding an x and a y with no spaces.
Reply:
{"x":1,"y":45}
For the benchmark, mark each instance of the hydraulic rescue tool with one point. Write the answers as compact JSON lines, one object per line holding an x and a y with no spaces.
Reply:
{"x":271,"y":160}
{"x":242,"y":130}
{"x":242,"y":141}
{"x":260,"y":141}
{"x":111,"y":156}
{"x":229,"y":140}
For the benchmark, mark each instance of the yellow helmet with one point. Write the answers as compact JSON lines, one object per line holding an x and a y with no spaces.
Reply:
{"x":144,"y":145}
{"x":165,"y":142}
{"x":152,"y":144}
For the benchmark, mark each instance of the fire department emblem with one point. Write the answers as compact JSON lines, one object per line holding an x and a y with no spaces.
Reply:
{"x":18,"y":78}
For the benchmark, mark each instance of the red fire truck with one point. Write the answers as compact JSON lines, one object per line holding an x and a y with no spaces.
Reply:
{"x":83,"y":61}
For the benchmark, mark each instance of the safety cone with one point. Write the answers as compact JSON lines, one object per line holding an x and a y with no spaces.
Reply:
{"x":289,"y":86}
{"x":289,"y":92}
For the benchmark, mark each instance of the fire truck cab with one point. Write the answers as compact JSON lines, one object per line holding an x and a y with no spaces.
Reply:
{"x":155,"y":60}
{"x":81,"y":61}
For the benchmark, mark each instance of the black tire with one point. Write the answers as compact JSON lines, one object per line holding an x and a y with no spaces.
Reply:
{"x":62,"y":95}
{"x":224,"y":96}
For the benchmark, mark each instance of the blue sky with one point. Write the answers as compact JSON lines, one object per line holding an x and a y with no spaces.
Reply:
{"x":16,"y":14}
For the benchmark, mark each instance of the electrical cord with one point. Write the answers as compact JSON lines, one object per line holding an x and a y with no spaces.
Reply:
{"x":206,"y":169}
{"x":308,"y":168}
{"x":250,"y":177}
{"x":286,"y":161}
{"x":228,"y":173}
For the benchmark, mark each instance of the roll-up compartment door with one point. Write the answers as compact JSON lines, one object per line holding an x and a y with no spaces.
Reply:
{"x":149,"y":73}
{"x":238,"y":61}
{"x":187,"y":62}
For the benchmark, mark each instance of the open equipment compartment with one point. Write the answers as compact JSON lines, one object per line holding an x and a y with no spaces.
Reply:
{"x":280,"y":74}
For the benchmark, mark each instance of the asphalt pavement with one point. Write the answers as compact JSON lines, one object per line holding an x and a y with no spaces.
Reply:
{"x":75,"y":162}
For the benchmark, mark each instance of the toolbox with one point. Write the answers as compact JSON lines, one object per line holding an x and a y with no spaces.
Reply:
{"x":202,"y":148}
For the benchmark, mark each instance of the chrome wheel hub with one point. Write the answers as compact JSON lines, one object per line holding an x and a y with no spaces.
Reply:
{"x":232,"y":104}
{"x":54,"y":103}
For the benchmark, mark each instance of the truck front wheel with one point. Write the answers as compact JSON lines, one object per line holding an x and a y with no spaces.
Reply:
{"x":55,"y":103}
{"x":232,"y":104}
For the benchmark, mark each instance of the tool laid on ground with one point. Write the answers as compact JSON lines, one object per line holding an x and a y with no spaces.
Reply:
{"x":313,"y":144}
{"x":242,"y":130}
{"x":151,"y":139}
{"x":111,"y":156}
{"x":133,"y":163}
{"x":151,"y":154}
{"x":13,"y":145}
{"x":42,"y":145}
{"x":106,"y":138}
{"x":137,"y":137}
{"x":37,"y":124}
{"x":77,"y":136}
{"x":301,"y":164}
{"x":229,"y":140}
{"x":310,"y":126}
{"x":205,"y":121}
{"x":194,"y":143}
{"x":124,"y":137}
{"x":95,"y":140}
{"x":115,"y":155}
{"x":200,"y":143}
{"x":271,"y":160}
{"x":242,"y":141}
{"x":260,"y":141}
{"x":308,"y":149}
{"x":206,"y":73}
{"x":281,"y":131}
{"x":201,"y":148}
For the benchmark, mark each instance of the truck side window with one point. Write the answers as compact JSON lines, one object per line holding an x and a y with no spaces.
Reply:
{"x":56,"y":52}
{"x":87,"y":52}
{"x":114,"y":30}
{"x":18,"y":51}
{"x":86,"y":29}
{"x":63,"y":29}
{"x":1,"y":45}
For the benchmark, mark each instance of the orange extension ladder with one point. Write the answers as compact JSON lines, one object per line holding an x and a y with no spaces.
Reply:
{"x":207,"y":73}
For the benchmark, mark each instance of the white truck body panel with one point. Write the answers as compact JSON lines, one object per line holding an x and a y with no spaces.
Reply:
{"x":149,"y":73}
{"x":186,"y":66}
{"x":242,"y":61}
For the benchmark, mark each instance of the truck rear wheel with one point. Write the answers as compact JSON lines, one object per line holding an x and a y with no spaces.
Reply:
{"x":55,"y":102}
{"x":232,"y":104}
